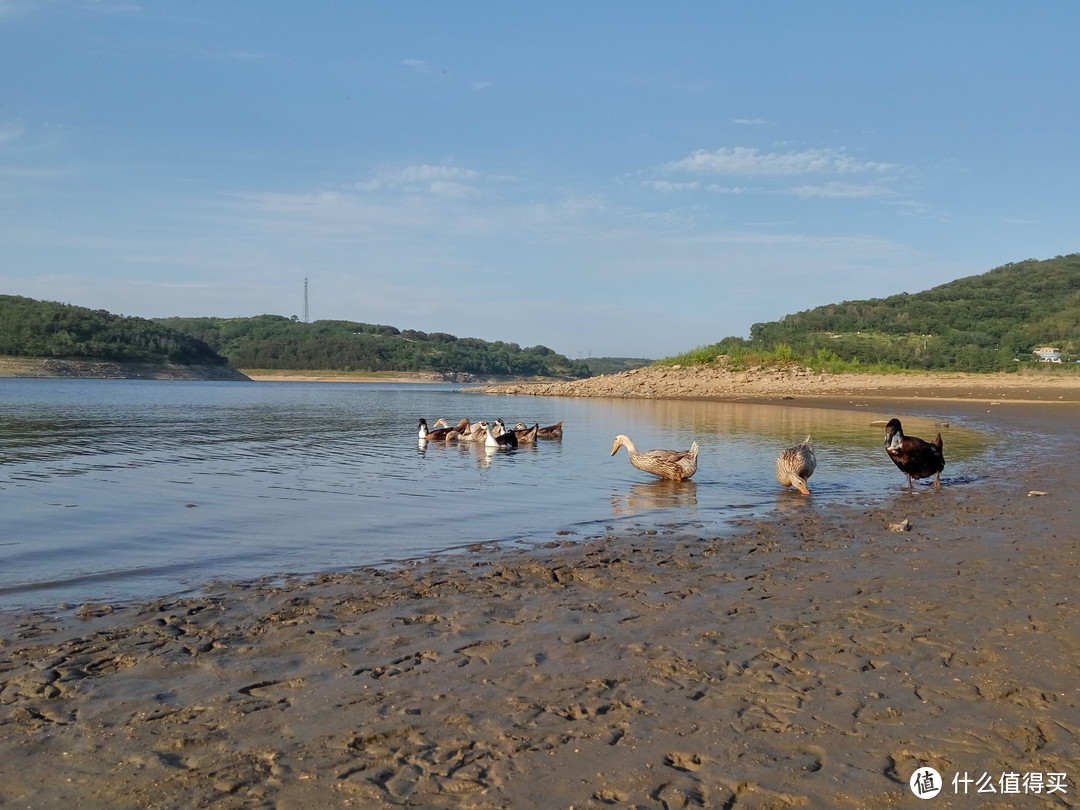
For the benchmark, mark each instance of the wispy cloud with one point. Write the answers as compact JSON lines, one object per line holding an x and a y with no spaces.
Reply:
{"x":838,"y":190}
{"x":417,"y":65}
{"x":668,"y":185}
{"x":919,"y":209}
{"x":249,"y":56}
{"x":749,"y":122}
{"x":23,"y":173}
{"x":112,"y":7}
{"x":716,"y":188}
{"x":419,"y":198}
{"x":10,"y":9}
{"x":426,"y":178}
{"x":747,"y":161}
{"x":11,"y":131}
{"x":426,"y":172}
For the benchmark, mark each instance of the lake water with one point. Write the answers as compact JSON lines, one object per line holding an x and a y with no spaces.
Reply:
{"x":115,"y":490}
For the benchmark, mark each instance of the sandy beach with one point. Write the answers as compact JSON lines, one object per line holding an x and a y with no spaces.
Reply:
{"x":817,"y":658}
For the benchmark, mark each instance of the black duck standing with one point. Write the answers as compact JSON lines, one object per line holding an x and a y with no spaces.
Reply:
{"x":914,"y":457}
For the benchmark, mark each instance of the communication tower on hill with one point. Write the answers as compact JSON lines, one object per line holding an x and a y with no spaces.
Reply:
{"x":305,"y":301}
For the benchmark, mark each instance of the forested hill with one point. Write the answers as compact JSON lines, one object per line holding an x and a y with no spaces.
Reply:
{"x":979,"y":323}
{"x":47,"y":329}
{"x":277,"y":342}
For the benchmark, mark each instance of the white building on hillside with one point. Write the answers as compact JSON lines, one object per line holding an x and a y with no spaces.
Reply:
{"x":1047,"y":354}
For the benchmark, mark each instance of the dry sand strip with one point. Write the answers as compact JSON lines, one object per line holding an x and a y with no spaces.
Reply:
{"x":795,"y":383}
{"x":811,"y":660}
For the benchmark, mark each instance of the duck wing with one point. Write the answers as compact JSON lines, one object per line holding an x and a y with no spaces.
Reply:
{"x":674,"y":464}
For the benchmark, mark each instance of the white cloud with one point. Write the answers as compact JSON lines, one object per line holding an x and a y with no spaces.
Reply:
{"x":749,"y":122}
{"x":750,"y":161}
{"x":419,"y":65}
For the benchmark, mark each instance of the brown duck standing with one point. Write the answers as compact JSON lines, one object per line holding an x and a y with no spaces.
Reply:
{"x":916,"y":458}
{"x":676,"y":465}
{"x":796,"y":464}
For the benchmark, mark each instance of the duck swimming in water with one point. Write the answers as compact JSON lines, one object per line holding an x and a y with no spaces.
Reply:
{"x":440,"y":432}
{"x":676,"y":465}
{"x":498,"y":435}
{"x":914,"y":457}
{"x":549,"y":432}
{"x":796,"y":464}
{"x":526,"y":435}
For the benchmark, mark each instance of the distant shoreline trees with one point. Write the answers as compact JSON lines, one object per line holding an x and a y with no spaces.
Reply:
{"x":277,"y":342}
{"x":47,"y":329}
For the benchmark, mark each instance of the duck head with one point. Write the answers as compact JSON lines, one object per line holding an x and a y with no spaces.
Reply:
{"x":894,"y":434}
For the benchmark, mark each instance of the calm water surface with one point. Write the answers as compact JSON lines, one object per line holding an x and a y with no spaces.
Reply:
{"x":122,"y":489}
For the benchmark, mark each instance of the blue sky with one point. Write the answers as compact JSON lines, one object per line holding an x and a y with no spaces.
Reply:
{"x":634,"y":179}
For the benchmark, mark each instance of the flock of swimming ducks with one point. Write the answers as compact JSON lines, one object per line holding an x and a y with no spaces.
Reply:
{"x":495,"y":434}
{"x":914,"y":457}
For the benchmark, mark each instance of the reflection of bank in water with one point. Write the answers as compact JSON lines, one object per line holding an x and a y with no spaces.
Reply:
{"x":650,"y":495}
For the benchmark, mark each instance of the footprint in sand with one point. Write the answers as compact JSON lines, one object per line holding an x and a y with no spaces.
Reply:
{"x":480,"y":651}
{"x":683,"y":761}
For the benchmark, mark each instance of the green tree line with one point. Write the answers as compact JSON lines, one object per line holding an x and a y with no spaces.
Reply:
{"x":277,"y":342}
{"x":31,"y":328}
{"x":987,"y":322}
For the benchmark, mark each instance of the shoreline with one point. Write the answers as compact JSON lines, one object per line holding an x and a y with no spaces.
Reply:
{"x":802,"y":385}
{"x":273,"y":375}
{"x":52,"y":368}
{"x":813,"y":658}
{"x":649,"y":382}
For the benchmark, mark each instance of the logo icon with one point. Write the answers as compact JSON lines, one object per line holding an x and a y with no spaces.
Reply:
{"x":925,"y":783}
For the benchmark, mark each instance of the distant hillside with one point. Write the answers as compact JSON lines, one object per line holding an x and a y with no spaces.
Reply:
{"x":277,"y":342}
{"x":50,"y":330}
{"x":986,"y":322}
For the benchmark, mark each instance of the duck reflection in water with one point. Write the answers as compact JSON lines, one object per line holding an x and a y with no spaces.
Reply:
{"x":647,"y":496}
{"x":791,"y":503}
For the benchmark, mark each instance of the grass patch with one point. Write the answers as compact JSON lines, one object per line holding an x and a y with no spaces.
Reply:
{"x":741,"y":358}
